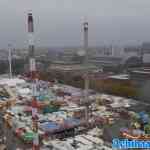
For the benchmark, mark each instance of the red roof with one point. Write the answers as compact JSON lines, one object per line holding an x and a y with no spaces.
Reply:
{"x":34,"y":103}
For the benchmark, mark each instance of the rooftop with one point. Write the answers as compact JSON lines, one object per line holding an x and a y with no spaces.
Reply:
{"x":120,"y":77}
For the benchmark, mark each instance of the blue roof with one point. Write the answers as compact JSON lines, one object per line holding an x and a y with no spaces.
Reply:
{"x":72,"y":121}
{"x":144,"y":117}
{"x":49,"y":126}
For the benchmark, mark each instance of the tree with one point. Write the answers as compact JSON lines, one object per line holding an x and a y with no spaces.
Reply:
{"x":147,"y":129}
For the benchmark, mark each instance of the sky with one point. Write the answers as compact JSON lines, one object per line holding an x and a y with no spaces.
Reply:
{"x":59,"y":22}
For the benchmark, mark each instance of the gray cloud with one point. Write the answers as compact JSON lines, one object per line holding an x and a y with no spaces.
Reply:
{"x":58,"y":22}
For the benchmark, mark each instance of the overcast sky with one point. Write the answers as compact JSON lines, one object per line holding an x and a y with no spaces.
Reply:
{"x":58,"y":22}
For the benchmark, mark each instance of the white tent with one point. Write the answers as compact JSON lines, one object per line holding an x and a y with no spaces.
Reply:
{"x":11,"y":82}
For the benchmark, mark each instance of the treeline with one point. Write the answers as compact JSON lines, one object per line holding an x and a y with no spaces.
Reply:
{"x":125,"y":89}
{"x":17,"y":66}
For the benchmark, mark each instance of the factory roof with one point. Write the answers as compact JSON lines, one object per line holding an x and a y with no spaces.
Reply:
{"x":141,"y":72}
{"x":71,"y":67}
{"x":120,"y":77}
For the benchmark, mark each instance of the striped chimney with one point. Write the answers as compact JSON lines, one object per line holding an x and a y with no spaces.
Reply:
{"x":31,"y":42}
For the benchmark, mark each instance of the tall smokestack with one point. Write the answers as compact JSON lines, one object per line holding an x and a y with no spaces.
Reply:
{"x":35,"y":145}
{"x":31,"y":43}
{"x":86,"y":78}
{"x":85,"y":24}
